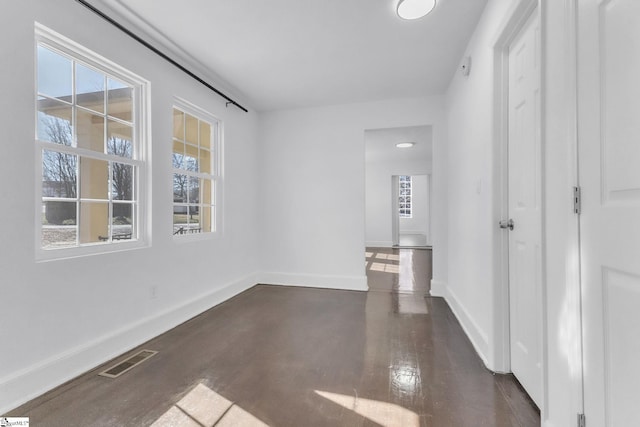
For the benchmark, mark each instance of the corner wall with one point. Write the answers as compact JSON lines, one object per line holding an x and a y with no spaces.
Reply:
{"x":313,"y":189}
{"x":63,"y":317}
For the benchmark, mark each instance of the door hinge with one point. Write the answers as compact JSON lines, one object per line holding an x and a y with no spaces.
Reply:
{"x":577,"y":200}
{"x":582,"y":421}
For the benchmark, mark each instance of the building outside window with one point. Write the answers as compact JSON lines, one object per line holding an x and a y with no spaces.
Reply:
{"x":196,"y":170}
{"x":90,"y":148}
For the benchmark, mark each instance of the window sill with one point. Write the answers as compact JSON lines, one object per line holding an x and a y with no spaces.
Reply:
{"x":45,"y":255}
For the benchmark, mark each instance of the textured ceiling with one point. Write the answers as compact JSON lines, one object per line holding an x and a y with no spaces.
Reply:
{"x":298,"y":53}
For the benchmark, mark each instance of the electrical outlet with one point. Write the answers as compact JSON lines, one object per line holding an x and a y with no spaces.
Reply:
{"x":153,"y":291}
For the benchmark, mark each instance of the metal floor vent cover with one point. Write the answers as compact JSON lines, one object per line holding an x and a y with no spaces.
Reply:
{"x":127,"y":364}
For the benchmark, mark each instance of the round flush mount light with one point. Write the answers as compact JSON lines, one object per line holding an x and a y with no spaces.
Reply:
{"x":405,"y":144}
{"x":414,"y":9}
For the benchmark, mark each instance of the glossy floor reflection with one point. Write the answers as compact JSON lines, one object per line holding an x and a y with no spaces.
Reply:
{"x":285,"y":356}
{"x":405,"y":271}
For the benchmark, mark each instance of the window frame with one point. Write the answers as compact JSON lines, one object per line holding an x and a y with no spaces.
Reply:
{"x":140,"y":202}
{"x":216,"y":176}
{"x":408,"y":205}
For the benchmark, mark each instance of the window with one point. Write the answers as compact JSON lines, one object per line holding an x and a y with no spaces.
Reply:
{"x":196,"y":170}
{"x":405,"y":196}
{"x":90,"y":150}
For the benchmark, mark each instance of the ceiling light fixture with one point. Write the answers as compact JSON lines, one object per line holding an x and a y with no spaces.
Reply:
{"x":405,"y":144}
{"x":414,"y":9}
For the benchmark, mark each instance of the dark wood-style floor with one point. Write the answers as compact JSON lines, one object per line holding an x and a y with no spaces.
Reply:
{"x":286,"y":356}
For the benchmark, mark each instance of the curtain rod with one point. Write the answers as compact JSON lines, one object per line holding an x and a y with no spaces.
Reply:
{"x":157,"y":52}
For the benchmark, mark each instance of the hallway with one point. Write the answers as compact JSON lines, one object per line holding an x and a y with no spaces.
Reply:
{"x":287,"y":356}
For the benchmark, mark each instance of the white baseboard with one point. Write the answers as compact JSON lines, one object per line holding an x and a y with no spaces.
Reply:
{"x":349,"y":283}
{"x":438,"y":288}
{"x":39,"y":378}
{"x":379,"y":244}
{"x":476,"y":335}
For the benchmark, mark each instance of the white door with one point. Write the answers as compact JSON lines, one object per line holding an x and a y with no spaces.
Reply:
{"x":525,"y":270}
{"x":609,"y":163}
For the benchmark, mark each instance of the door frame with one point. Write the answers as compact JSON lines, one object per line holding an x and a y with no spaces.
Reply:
{"x":510,"y":28}
{"x":571,"y":315}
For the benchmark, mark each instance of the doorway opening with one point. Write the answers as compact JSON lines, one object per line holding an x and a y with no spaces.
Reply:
{"x":412,"y":211}
{"x":385,"y":164}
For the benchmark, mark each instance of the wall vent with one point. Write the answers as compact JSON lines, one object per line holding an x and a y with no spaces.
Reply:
{"x":127,"y":364}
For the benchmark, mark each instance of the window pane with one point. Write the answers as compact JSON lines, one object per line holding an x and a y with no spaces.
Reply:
{"x":178,"y":124}
{"x":180,"y":188}
{"x":205,"y":161}
{"x":54,"y":74}
{"x":120,"y":100}
{"x":121,"y":181}
{"x":194,"y":219}
{"x":54,"y":121}
{"x":191,"y":129}
{"x":59,"y":213}
{"x":94,"y":223}
{"x":90,"y":128}
{"x":86,"y":198}
{"x":194,"y":150}
{"x":205,"y":219}
{"x":205,"y":135}
{"x":122,"y":221}
{"x":94,"y":178}
{"x":180,"y":219}
{"x":191,"y":158}
{"x":194,"y":190}
{"x":59,"y":174}
{"x":178,"y":154}
{"x":59,"y":228}
{"x":89,"y":88}
{"x":120,"y":139}
{"x":206,"y":191}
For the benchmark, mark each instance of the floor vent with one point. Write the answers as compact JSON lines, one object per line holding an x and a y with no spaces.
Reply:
{"x":127,"y":364}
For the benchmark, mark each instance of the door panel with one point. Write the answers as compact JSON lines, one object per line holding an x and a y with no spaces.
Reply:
{"x":524,"y":208}
{"x":609,"y":159}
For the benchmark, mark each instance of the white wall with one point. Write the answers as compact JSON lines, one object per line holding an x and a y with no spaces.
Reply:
{"x":419,"y":221}
{"x":313,"y":194}
{"x":471,"y":177}
{"x":475,"y":201}
{"x":61,"y":318}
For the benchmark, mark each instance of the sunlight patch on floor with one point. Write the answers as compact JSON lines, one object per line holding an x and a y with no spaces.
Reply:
{"x":386,"y":268}
{"x":390,"y":257}
{"x":383,"y":413}
{"x":203,"y":407}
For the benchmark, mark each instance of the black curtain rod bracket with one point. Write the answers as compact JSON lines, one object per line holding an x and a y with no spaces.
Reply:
{"x":157,"y":52}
